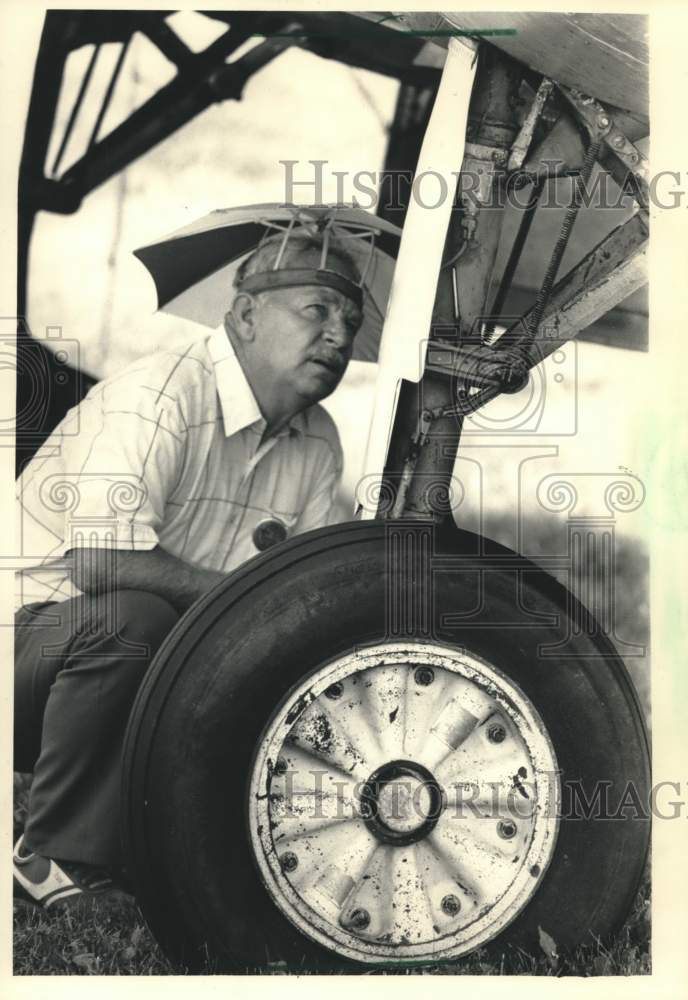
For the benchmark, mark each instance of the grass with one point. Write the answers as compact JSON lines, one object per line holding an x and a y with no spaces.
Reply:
{"x":114,"y":940}
{"x":106,"y":940}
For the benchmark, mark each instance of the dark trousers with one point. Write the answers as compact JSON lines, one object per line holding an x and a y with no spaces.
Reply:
{"x":78,"y":666}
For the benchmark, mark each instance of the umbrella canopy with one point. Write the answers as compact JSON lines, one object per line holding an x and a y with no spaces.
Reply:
{"x":194,"y":267}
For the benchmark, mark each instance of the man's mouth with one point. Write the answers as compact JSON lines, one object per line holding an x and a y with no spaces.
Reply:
{"x":334,"y":365}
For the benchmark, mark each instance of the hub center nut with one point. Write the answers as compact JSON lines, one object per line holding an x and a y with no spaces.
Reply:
{"x":401,"y":802}
{"x":404,"y":804}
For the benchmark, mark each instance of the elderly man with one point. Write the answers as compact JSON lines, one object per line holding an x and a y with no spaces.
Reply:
{"x":185,"y":464}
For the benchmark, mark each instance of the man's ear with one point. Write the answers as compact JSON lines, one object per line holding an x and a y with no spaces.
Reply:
{"x":241,"y":317}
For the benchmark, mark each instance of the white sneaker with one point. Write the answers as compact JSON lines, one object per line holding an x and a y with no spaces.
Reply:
{"x":46,"y":882}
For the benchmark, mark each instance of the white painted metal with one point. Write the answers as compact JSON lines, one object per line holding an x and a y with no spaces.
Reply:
{"x":409,"y":309}
{"x":474,"y":863}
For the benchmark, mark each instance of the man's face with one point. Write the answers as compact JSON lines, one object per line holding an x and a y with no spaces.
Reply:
{"x":304,"y":338}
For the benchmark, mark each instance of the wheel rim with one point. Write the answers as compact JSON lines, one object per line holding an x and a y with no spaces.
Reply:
{"x":403,"y":804}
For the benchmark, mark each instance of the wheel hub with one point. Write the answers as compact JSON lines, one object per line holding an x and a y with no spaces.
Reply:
{"x":401,"y":802}
{"x":404,"y":803}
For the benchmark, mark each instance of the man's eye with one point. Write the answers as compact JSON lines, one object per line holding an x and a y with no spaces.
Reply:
{"x":316,"y":309}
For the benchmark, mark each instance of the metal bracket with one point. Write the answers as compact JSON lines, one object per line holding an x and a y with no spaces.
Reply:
{"x":493,"y":154}
{"x":522,"y":142}
{"x":614,"y":269}
{"x":425,"y":421}
{"x":599,"y":122}
{"x":479,"y":366}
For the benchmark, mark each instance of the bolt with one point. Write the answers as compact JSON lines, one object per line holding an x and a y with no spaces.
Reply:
{"x":451,"y":905}
{"x":496,"y":734}
{"x":424,"y":676}
{"x":366,"y":810}
{"x":357,"y":920}
{"x":289,"y":862}
{"x":280,"y":766}
{"x":619,"y":141}
{"x":633,"y":157}
{"x":506,"y":829}
{"x":602,"y":121}
{"x":335,"y":691}
{"x":513,"y":377}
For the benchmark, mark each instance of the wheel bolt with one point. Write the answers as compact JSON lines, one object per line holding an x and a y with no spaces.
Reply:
{"x":451,"y":905}
{"x":496,"y":733}
{"x":506,"y":829}
{"x":334,"y":691}
{"x":289,"y":862}
{"x":357,"y":920}
{"x":366,"y":810}
{"x":280,"y":766}
{"x":424,"y":676}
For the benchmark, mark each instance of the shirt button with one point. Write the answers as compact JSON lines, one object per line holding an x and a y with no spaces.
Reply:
{"x":268,"y":533}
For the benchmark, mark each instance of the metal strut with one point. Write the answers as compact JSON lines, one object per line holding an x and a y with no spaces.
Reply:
{"x":513,"y":349}
{"x":427,"y":424}
{"x":567,"y":225}
{"x":482,"y":371}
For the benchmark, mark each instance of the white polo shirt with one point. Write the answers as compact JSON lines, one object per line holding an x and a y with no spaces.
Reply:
{"x":167,"y":452}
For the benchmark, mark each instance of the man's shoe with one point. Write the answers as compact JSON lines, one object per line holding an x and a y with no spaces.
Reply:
{"x":48,"y":883}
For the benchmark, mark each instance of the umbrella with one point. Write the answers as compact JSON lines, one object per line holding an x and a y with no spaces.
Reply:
{"x":194,"y":267}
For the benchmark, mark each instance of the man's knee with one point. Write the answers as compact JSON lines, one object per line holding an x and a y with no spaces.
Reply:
{"x":141,"y":614}
{"x":129,"y":624}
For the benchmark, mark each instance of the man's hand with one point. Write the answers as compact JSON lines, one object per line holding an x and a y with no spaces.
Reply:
{"x":179,"y":582}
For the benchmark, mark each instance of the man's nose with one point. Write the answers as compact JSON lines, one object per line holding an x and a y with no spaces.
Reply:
{"x":336,"y":331}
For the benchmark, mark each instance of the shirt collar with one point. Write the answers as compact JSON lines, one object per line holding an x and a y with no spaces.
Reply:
{"x":238,"y":404}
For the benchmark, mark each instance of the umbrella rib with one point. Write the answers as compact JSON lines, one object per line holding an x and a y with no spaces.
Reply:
{"x":284,"y":242}
{"x":325,"y":247}
{"x":369,"y":260}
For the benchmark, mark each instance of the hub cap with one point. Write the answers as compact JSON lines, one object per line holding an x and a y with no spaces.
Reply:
{"x":403,"y":803}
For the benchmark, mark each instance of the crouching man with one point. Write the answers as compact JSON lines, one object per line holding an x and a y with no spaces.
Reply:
{"x":206,"y":455}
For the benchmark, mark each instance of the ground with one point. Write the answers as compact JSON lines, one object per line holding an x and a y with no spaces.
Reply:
{"x":114,"y":940}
